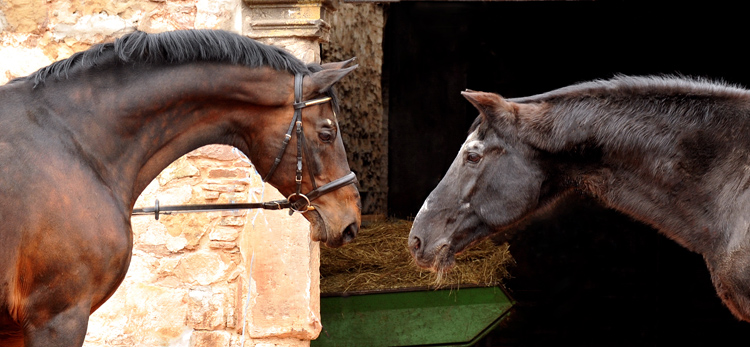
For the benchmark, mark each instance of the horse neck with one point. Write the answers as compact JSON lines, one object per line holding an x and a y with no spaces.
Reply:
{"x":643,"y":161}
{"x":132,"y":124}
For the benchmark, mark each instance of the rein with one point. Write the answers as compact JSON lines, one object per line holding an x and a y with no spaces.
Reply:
{"x":296,"y":202}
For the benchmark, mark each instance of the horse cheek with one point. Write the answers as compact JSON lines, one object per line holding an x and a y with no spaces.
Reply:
{"x":513,"y":194}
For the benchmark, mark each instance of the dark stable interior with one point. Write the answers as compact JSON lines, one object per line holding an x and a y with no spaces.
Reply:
{"x":585,"y":275}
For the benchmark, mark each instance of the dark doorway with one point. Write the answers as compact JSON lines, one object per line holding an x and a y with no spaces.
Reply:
{"x":586,"y":276}
{"x":434,"y":50}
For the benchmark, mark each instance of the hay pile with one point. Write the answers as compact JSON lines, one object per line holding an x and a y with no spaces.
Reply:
{"x":378,"y":259}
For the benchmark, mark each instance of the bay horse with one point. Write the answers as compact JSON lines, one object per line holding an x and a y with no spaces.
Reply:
{"x":81,"y":138}
{"x":671,"y":152}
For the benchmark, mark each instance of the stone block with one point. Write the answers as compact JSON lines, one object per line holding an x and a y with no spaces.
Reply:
{"x":226,"y":186}
{"x":151,"y":233}
{"x":175,"y":195}
{"x":281,"y":308}
{"x":288,"y":18}
{"x":210,"y":195}
{"x":191,"y":226}
{"x":176,"y":244}
{"x":25,"y":16}
{"x":223,"y":245}
{"x":206,"y":308}
{"x":202,"y":267}
{"x":216,"y":152}
{"x":138,"y":315}
{"x":219,"y":14}
{"x":232,"y":221}
{"x":210,"y":339}
{"x":169,"y":16}
{"x":223,"y":233}
{"x":180,"y":168}
{"x":227,"y":173}
{"x":307,"y":51}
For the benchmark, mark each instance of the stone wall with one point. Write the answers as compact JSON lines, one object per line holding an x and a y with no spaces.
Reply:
{"x":189,"y":279}
{"x":43,"y":31}
{"x":357,"y":31}
{"x":244,"y":278}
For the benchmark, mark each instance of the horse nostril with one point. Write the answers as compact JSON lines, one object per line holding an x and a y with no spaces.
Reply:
{"x":415,"y":244}
{"x":350,"y":233}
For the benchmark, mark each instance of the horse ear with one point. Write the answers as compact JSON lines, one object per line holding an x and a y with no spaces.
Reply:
{"x":338,"y":65}
{"x":490,"y":105}
{"x":321,"y":81}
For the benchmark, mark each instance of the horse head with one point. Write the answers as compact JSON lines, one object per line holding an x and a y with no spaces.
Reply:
{"x":493,"y":182}
{"x":334,"y":214}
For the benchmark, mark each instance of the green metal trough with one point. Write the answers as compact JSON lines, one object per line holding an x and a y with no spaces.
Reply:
{"x":458,"y":317}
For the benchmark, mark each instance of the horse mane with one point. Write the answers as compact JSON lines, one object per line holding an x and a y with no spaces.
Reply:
{"x":628,"y":86}
{"x":173,"y":47}
{"x":629,"y":112}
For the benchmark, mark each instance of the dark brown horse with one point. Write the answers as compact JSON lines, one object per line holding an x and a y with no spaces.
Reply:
{"x":81,"y":138}
{"x":673,"y":153}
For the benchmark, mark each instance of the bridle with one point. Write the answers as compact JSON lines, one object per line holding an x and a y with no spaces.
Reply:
{"x":295,"y":202}
{"x":299,"y":202}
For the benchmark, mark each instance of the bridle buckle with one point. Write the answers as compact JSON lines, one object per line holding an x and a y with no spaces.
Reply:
{"x":298,"y":203}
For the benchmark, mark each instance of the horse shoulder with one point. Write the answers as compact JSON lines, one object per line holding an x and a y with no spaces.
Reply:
{"x":55,"y":212}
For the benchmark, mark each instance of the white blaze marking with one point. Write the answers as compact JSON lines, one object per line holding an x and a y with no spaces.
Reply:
{"x":472,"y":143}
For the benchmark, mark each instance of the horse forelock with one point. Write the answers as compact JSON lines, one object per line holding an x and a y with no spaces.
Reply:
{"x":482,"y":127}
{"x":335,"y":103}
{"x":475,"y":125}
{"x":500,"y":127}
{"x":174,"y":47}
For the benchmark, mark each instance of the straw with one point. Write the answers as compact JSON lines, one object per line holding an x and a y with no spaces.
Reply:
{"x":378,"y":259}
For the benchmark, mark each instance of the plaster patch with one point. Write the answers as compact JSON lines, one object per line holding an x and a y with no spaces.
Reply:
{"x":19,"y":61}
{"x":92,"y":28}
{"x":183,"y":340}
{"x":217,"y":14}
{"x":3,"y":22}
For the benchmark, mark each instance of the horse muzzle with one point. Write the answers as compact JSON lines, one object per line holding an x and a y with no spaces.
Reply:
{"x":335,"y":218}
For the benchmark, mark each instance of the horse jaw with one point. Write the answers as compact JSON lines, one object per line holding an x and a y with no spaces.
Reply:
{"x":317,"y":226}
{"x":322,"y":230}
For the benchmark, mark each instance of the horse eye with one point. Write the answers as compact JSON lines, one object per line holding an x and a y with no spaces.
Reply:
{"x":325,"y":137}
{"x":473,"y":157}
